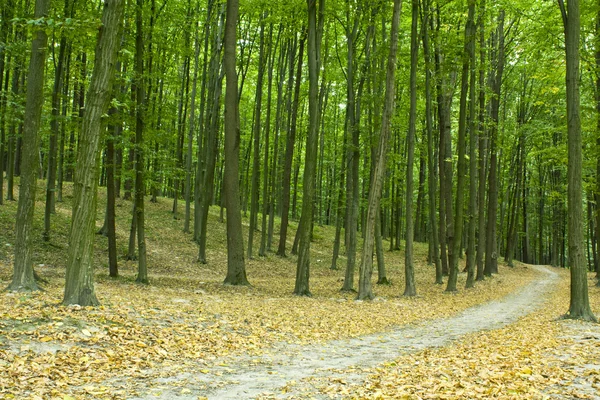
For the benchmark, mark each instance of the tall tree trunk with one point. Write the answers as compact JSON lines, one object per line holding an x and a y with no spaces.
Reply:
{"x":289,"y":154}
{"x":491,"y":255}
{"x":5,"y":28}
{"x":236,"y":267}
{"x":471,"y":256}
{"x":461,"y":147}
{"x":113,"y":269}
{"x":432,"y":179}
{"x":23,"y":275}
{"x":597,"y":191}
{"x":301,"y":287}
{"x":55,"y":131}
{"x":352,"y":128}
{"x":482,"y":167}
{"x":141,"y":103}
{"x":262,"y":251}
{"x":191,"y":129}
{"x":409,"y":269}
{"x":205,"y":178}
{"x":511,"y":240}
{"x":278,"y":128}
{"x":366,"y":266}
{"x":580,"y":303}
{"x":60,"y":174}
{"x":79,"y":286}
{"x":257,"y":133}
{"x":12,"y":136}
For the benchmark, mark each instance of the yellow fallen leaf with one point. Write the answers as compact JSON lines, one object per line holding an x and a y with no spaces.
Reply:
{"x":45,"y":339}
{"x":141,"y":344}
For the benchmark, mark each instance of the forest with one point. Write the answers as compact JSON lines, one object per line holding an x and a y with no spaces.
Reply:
{"x":210,"y":181}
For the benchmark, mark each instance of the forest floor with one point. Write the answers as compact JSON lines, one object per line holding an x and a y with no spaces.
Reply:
{"x":187,"y":336}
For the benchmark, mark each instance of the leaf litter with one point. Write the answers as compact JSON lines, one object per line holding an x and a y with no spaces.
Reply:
{"x":186,"y":320}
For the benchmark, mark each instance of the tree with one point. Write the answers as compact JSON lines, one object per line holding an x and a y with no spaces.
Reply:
{"x":140,"y":99}
{"x":236,"y":267}
{"x":580,"y":302}
{"x":461,"y":146}
{"x":23,"y":275}
{"x":54,"y":127}
{"x":289,"y":148}
{"x":471,"y":255}
{"x":432,"y":179}
{"x":79,"y":285}
{"x":257,"y":131}
{"x":491,"y":256}
{"x":366,"y":265}
{"x":353,"y":153}
{"x":310,"y":158}
{"x":409,"y":269}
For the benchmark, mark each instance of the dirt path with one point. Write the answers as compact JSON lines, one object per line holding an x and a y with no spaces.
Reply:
{"x":289,"y":365}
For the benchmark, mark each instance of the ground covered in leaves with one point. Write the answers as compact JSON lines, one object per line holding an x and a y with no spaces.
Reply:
{"x":187,"y":319}
{"x":542,"y":356}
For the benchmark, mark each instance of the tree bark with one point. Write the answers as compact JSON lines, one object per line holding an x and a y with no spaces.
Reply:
{"x":482,"y":167}
{"x":79,"y":286}
{"x":471,"y":256}
{"x":257,"y":135}
{"x":491,"y":255}
{"x":432,"y":178}
{"x":23,"y":275}
{"x":353,"y":153}
{"x":580,"y":303}
{"x":461,"y":147}
{"x":191,"y":129}
{"x":366,"y":266}
{"x":141,"y":103}
{"x":289,"y":154}
{"x":236,"y":267}
{"x":409,"y":269}
{"x":54,"y":132}
{"x":301,"y":287}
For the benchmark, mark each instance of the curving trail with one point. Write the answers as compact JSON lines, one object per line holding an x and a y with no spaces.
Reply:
{"x":245,"y":378}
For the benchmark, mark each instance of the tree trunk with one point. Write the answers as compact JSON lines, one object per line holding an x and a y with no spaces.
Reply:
{"x":301,"y":287}
{"x":409,"y":269}
{"x":580,"y":303}
{"x":262,"y":251}
{"x":141,"y":103}
{"x":5,"y":28}
{"x":461,"y":147}
{"x":113,"y":269}
{"x":54,"y":132}
{"x":236,"y":268}
{"x":491,"y":255}
{"x":353,"y":134}
{"x":472,"y":153}
{"x":205,"y":176}
{"x":366,"y":266}
{"x":79,"y":287}
{"x":257,"y":133}
{"x":432,"y":179}
{"x":289,"y":155}
{"x":23,"y":275}
{"x":482,"y":167}
{"x":191,"y":129}
{"x":597,"y":191}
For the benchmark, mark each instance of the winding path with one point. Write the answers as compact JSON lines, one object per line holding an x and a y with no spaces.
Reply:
{"x":247,"y":378}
